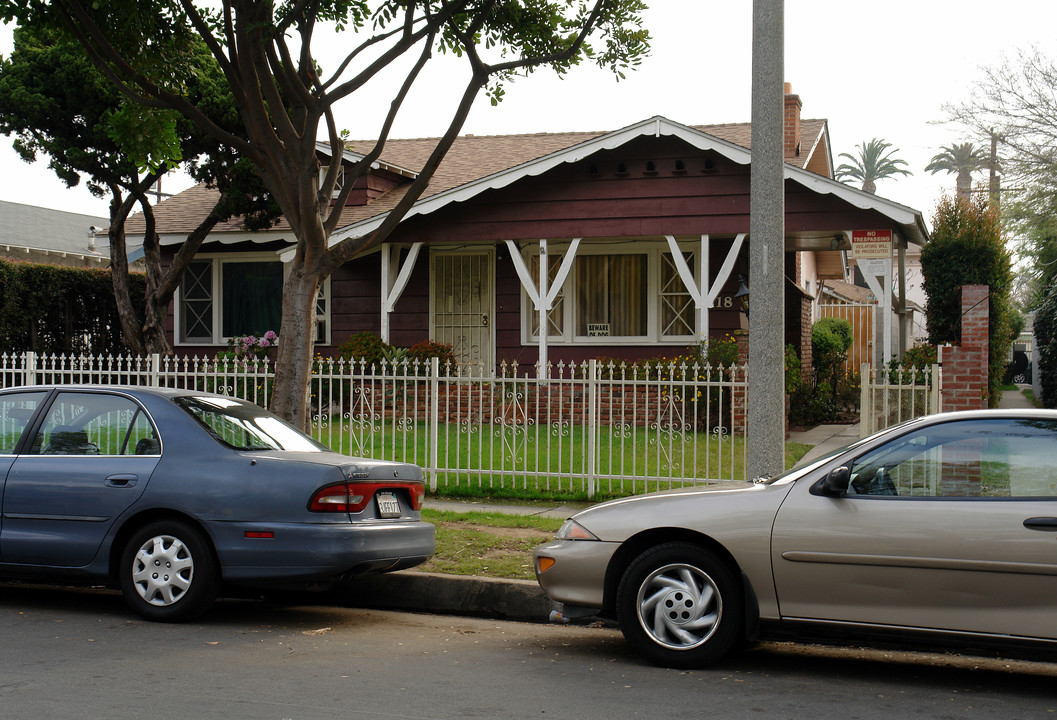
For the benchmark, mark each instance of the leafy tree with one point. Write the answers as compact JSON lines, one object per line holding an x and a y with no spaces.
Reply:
{"x":1016,"y":101}
{"x":286,"y":98}
{"x":967,"y":248}
{"x":1046,"y":341}
{"x":961,"y":159}
{"x":56,"y":103}
{"x":874,"y":162}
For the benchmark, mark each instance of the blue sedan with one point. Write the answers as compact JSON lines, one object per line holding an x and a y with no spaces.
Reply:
{"x":174,"y":495}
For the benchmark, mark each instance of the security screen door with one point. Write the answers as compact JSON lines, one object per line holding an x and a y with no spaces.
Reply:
{"x":461,"y":305}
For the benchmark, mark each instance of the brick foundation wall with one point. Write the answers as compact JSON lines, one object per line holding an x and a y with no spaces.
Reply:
{"x":964,"y":384}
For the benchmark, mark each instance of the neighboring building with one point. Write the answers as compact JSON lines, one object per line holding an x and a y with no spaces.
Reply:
{"x":53,"y":237}
{"x":644,"y":230}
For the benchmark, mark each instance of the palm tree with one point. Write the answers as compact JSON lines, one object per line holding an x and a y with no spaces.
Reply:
{"x":873,"y":164}
{"x":961,"y":159}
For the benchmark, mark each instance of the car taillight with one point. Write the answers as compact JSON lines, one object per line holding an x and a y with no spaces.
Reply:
{"x":353,"y":497}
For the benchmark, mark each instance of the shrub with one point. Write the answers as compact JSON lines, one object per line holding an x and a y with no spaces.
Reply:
{"x":1046,"y":347}
{"x":52,"y":309}
{"x":428,"y":349}
{"x":363,"y":347}
{"x":966,"y":248}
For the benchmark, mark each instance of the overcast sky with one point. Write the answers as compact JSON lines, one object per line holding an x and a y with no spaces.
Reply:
{"x":871,"y":69}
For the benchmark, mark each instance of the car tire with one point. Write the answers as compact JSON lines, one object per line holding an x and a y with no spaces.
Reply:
{"x":168,"y":572}
{"x":679,"y":606}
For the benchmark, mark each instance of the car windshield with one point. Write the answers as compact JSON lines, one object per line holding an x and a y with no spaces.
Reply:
{"x":244,"y":426}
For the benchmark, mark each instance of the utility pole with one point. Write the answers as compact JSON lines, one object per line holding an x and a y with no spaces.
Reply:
{"x":765,"y":433}
{"x":994,"y":180}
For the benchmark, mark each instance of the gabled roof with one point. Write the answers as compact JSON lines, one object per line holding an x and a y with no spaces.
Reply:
{"x":475,"y":164}
{"x":365,"y":219}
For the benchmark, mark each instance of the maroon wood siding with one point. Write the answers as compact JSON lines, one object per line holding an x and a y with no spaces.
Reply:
{"x":646,"y":189}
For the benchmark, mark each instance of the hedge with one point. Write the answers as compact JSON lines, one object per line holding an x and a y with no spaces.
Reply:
{"x":52,"y":309}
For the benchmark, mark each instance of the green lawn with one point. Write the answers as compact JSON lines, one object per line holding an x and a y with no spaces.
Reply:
{"x":551,"y":462}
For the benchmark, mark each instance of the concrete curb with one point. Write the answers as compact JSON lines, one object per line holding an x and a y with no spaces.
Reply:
{"x":521,"y":600}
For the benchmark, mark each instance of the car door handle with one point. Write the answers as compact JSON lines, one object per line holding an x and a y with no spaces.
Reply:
{"x":1041,"y":523}
{"x":121,"y":480}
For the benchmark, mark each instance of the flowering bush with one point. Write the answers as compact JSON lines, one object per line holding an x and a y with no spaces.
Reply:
{"x":248,"y":349}
{"x":251,"y":347}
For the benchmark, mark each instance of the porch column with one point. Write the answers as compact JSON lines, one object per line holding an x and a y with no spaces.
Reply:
{"x":704,"y":294}
{"x":394,"y":281}
{"x":543,"y":296}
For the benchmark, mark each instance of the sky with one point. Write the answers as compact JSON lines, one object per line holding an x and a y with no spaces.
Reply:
{"x":873,"y":70}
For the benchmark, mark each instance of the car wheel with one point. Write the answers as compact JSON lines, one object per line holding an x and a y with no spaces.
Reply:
{"x":680,"y":606}
{"x":168,"y":573}
{"x":1020,"y":379}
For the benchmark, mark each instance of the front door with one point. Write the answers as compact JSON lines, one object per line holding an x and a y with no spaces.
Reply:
{"x":462,"y":305}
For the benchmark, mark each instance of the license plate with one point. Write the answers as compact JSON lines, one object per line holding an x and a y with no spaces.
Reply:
{"x":388,"y":505}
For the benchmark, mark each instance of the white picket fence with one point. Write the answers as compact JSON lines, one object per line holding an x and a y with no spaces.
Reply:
{"x":890,"y":397}
{"x":589,"y":429}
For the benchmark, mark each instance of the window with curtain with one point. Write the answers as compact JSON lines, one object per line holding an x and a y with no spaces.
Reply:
{"x":253,"y":297}
{"x":612,"y":295}
{"x":222,"y":298}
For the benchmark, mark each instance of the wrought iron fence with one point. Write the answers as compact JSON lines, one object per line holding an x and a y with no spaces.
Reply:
{"x":589,"y":429}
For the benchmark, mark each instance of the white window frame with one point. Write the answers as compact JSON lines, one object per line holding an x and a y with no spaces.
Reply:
{"x":653,"y":250}
{"x":217,"y":261}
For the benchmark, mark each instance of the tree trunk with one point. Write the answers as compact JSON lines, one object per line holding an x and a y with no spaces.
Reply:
{"x":297,"y":334}
{"x":130,"y":329}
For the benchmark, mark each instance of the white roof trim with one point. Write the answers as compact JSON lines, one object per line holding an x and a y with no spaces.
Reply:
{"x":354,"y":157}
{"x":234,"y":236}
{"x":911,"y":220}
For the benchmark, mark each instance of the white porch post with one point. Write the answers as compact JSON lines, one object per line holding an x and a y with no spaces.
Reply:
{"x":543,"y":308}
{"x":543,"y":297}
{"x":704,"y":294}
{"x":394,"y":282}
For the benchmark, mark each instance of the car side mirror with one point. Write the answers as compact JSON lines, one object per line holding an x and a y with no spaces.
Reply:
{"x":836,"y":482}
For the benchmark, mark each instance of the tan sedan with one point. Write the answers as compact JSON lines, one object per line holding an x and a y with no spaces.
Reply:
{"x":942,"y":529}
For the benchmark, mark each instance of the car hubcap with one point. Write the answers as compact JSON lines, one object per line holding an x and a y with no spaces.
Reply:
{"x":162,"y":570}
{"x":679,"y":606}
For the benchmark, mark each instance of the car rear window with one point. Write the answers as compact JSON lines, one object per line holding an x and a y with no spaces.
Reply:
{"x":244,"y":426}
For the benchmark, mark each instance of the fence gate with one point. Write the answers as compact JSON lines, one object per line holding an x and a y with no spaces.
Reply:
{"x":892,"y":396}
{"x":861,"y":317}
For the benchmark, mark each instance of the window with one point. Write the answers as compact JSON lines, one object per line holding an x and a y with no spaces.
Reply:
{"x":244,"y":426}
{"x":996,"y":458}
{"x":95,"y":424}
{"x":556,"y":316}
{"x":233,"y":295}
{"x":611,"y":293}
{"x":16,"y":410}
{"x":623,"y":293}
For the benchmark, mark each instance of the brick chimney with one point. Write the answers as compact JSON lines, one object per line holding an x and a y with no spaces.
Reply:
{"x":792,"y":122}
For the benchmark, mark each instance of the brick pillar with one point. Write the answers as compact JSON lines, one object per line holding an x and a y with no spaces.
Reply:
{"x":738,"y":395}
{"x":964,"y":384}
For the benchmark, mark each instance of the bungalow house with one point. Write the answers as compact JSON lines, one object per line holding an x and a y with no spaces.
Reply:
{"x":643,"y":232}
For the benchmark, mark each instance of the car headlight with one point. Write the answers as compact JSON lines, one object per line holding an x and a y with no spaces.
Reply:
{"x":572,"y":530}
